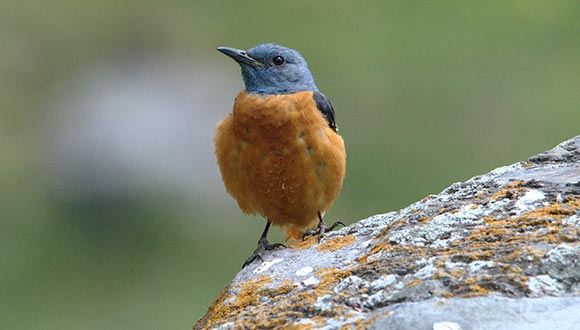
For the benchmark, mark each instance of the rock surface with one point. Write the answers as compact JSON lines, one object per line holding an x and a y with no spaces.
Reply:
{"x":499,"y":251}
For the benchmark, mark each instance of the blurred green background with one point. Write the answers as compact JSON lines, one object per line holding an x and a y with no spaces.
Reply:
{"x":113,"y":215}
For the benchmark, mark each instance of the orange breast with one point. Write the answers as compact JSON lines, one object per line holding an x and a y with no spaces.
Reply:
{"x":278,"y":158}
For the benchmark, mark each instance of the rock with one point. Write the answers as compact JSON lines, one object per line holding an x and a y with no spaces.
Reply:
{"x":499,"y":251}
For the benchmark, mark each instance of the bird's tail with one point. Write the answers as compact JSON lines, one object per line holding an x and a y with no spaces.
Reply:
{"x":294,"y":234}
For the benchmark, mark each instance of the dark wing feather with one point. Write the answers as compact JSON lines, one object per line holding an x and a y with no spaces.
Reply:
{"x":323,"y":104}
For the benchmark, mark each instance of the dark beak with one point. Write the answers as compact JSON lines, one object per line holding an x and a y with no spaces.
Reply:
{"x":239,"y":55}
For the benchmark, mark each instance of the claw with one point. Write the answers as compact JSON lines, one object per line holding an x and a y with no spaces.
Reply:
{"x":263,"y":246}
{"x":336,"y":224}
{"x":321,"y":229}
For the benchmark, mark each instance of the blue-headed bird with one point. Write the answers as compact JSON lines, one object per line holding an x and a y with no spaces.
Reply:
{"x":279,"y":151}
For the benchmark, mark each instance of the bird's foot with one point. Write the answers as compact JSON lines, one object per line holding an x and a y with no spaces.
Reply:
{"x":263,"y":246}
{"x":321,"y":229}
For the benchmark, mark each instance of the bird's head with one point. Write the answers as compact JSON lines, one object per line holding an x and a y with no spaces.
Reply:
{"x":272,"y":69}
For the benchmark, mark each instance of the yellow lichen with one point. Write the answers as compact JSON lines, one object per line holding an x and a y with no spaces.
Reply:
{"x":281,"y":290}
{"x":458,"y":273}
{"x":500,"y":240}
{"x":414,"y":283}
{"x":248,"y":294}
{"x":478,"y":289}
{"x":447,"y":294}
{"x":224,"y":307}
{"x":218,"y":310}
{"x":303,"y":244}
{"x":336,"y":243}
{"x":514,"y":186}
{"x":328,"y":277}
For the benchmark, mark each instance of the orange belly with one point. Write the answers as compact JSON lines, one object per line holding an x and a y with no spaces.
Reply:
{"x":278,"y":158}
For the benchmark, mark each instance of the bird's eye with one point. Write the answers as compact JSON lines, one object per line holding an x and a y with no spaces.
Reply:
{"x":278,"y":60}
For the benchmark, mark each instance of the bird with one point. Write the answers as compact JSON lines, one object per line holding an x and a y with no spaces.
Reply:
{"x":279,"y":151}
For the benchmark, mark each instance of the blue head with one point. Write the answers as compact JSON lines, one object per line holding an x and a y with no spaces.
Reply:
{"x":272,"y":69}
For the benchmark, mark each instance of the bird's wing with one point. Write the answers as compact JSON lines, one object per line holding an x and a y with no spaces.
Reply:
{"x":323,"y":104}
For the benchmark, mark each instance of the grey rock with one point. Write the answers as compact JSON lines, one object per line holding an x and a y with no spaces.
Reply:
{"x":382,"y":282}
{"x":542,"y":285}
{"x":498,"y":251}
{"x":485,"y":313}
{"x":563,"y":264}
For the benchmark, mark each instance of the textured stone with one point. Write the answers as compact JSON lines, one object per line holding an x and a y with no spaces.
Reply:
{"x":471,"y":257}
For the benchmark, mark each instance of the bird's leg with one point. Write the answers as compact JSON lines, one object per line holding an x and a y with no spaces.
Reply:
{"x":321,"y":229}
{"x":263,"y":245}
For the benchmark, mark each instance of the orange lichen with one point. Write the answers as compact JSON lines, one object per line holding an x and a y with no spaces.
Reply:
{"x":336,"y":243}
{"x":366,"y":323}
{"x":318,"y":319}
{"x":440,"y":274}
{"x":363,"y":259}
{"x":447,"y":294}
{"x":224,"y":307}
{"x":301,"y":326}
{"x":543,"y":224}
{"x":517,"y":254}
{"x":218,"y":310}
{"x":478,"y":289}
{"x":248,"y":294}
{"x":307,"y":243}
{"x":501,"y":240}
{"x":528,"y":165}
{"x":393,"y":225}
{"x":556,"y":209}
{"x":281,"y":290}
{"x":458,"y":273}
{"x":442,"y":303}
{"x":328,"y":277}
{"x":514,"y":186}
{"x":414,"y":283}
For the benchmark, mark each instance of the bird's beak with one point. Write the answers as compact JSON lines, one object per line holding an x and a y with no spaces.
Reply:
{"x":239,"y":55}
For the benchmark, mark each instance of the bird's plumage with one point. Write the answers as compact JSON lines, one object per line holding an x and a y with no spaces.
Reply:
{"x":279,"y":152}
{"x":263,"y":76}
{"x":323,"y":104}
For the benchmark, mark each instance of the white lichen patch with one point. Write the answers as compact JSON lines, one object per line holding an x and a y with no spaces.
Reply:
{"x":543,"y":284}
{"x":530,"y":200}
{"x":312,"y":280}
{"x":475,"y":266}
{"x":439,"y":229}
{"x":304,"y":271}
{"x":382,"y":282}
{"x":446,"y":325}
{"x":323,"y":304}
{"x":266,"y":265}
{"x":351,"y":282}
{"x":427,"y":269}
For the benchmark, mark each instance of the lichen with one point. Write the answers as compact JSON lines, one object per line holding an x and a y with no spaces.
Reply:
{"x":336,"y":243}
{"x":475,"y":239}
